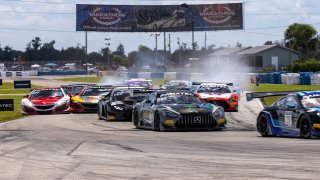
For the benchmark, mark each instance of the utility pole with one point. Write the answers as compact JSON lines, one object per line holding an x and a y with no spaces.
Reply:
{"x":205,"y":40}
{"x":156,"y":49}
{"x":108,"y":45}
{"x":178,"y":42}
{"x":165,"y":49}
{"x":169,"y":44}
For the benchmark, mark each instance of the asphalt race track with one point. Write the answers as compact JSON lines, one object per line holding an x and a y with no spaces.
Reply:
{"x":78,"y":146}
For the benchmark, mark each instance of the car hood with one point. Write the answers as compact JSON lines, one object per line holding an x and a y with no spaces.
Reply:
{"x":41,"y":101}
{"x":191,"y":108}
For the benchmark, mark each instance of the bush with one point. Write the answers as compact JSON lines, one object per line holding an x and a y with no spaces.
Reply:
{"x":306,"y":65}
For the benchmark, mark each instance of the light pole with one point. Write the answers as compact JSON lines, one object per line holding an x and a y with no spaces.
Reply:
{"x":107,"y":45}
{"x":156,"y":39}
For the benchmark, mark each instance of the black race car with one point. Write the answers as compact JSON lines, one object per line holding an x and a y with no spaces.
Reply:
{"x":118,"y":104}
{"x":295,"y":114}
{"x":165,"y":110}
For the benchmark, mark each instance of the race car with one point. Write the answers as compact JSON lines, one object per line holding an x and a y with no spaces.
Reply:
{"x":74,"y":89}
{"x":118,"y":104}
{"x":218,"y":94}
{"x":177,"y":84}
{"x":46,"y":101}
{"x":177,"y":110}
{"x":139,"y":82}
{"x":294,"y":114}
{"x":87,"y":100}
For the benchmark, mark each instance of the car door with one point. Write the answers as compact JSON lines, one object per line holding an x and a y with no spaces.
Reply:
{"x":146,"y":108}
{"x":288,"y":112}
{"x":292,"y":112}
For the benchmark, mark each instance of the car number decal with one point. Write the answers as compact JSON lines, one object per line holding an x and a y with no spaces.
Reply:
{"x":288,"y":118}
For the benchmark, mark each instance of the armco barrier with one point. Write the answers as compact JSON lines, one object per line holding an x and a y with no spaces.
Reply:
{"x":157,"y":75}
{"x":170,"y":76}
{"x":197,"y":76}
{"x":62,"y":73}
{"x":132,"y":75}
{"x":183,"y":76}
{"x":145,"y":75}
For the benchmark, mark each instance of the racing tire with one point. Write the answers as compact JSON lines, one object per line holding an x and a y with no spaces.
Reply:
{"x":136,"y":119}
{"x":305,"y":127}
{"x":156,"y":122}
{"x":99,"y":111}
{"x":263,"y":125}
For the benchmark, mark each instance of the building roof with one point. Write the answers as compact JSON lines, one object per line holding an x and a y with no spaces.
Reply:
{"x":228,"y":51}
{"x":259,"y":49}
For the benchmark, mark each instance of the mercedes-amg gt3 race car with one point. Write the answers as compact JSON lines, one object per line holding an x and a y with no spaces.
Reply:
{"x":295,"y":114}
{"x":46,"y":101}
{"x":176,"y":110}
{"x":119,"y":103}
{"x":218,"y":94}
{"x":87,"y":100}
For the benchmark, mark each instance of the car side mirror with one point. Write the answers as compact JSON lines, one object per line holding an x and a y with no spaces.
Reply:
{"x":291,"y":106}
{"x":69,"y":94}
{"x":26,"y":96}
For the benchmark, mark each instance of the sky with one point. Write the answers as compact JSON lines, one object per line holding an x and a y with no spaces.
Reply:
{"x":264,"y":20}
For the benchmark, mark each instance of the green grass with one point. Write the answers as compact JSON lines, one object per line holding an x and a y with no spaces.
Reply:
{"x":281,"y":87}
{"x":7,"y":88}
{"x":10,"y":115}
{"x":158,"y":81}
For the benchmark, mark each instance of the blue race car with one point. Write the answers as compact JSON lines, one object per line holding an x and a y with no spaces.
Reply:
{"x":295,"y":114}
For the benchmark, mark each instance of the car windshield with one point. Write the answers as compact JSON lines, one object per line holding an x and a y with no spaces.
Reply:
{"x":46,"y":93}
{"x":77,"y":89}
{"x":94,"y":92}
{"x":214,"y":89}
{"x":179,"y":99}
{"x":311,"y":102}
{"x":120,"y":95}
{"x":67,"y":89}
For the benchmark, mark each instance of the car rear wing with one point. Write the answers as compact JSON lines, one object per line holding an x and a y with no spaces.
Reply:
{"x":262,"y":95}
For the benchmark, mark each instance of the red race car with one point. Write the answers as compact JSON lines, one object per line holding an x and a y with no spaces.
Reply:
{"x":218,"y":94}
{"x":46,"y":101}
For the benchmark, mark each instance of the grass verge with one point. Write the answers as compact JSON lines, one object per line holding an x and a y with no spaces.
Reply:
{"x":7,"y":88}
{"x":10,"y":115}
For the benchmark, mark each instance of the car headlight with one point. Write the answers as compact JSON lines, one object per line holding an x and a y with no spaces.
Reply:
{"x":63,"y":100}
{"x":232,"y":99}
{"x":170,"y":114}
{"x":219,"y":113}
{"x":26,"y":102}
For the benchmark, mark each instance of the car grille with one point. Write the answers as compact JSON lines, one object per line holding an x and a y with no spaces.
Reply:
{"x":128,"y":102}
{"x":90,"y":106}
{"x":196,"y":121}
{"x":223,"y":104}
{"x":44,"y":107}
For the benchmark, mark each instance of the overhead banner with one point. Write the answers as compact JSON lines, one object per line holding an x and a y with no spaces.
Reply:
{"x":159,"y":18}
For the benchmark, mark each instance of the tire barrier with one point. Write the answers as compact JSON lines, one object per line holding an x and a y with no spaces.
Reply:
{"x":62,"y":73}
